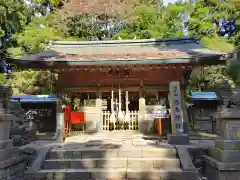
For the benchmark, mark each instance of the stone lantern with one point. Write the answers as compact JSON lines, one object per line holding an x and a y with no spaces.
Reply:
{"x":10,"y":161}
{"x":223,"y":161}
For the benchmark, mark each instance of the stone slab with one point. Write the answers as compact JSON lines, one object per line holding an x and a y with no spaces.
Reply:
{"x":228,"y":144}
{"x":212,"y":173}
{"x":178,"y":139}
{"x":19,"y":167}
{"x":11,"y":161}
{"x":224,"y":155}
{"x":37,"y":164}
{"x":222,"y":166}
{"x":8,"y":152}
{"x":112,"y":163}
{"x":6,"y":144}
{"x":119,"y":173}
{"x":111,"y":152}
{"x":185,"y":159}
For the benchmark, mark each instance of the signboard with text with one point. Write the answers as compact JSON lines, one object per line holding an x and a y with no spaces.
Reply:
{"x":233,"y":130}
{"x":176,"y":110}
{"x":156,"y":112}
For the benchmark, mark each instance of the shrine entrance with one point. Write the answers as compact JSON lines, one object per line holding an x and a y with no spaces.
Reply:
{"x":121,"y":84}
{"x":120,"y":110}
{"x":133,"y":101}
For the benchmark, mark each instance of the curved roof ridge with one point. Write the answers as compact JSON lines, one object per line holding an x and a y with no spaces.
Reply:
{"x":132,"y":41}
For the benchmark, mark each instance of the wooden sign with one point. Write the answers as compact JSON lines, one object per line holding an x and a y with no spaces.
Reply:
{"x":176,"y":110}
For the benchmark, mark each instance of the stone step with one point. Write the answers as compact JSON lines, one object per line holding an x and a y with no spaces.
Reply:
{"x":112,"y":163}
{"x":108,"y":153}
{"x":221,"y":155}
{"x":117,"y":174}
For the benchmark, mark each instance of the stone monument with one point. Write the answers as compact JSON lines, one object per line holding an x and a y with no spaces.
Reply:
{"x":223,"y":161}
{"x":178,"y":137}
{"x":10,"y":161}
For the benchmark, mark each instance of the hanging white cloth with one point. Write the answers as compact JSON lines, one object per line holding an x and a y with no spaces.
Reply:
{"x":127,"y":116}
{"x":120,"y":113}
{"x":113,"y":115}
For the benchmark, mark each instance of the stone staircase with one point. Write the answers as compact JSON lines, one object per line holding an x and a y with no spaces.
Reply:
{"x":98,"y":163}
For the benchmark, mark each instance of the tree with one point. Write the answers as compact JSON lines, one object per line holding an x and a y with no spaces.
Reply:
{"x":31,"y":82}
{"x":13,"y":17}
{"x":34,"y":38}
{"x":148,"y":21}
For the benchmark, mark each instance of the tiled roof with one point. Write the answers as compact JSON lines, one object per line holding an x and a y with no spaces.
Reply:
{"x":125,"y":56}
{"x":154,"y":49}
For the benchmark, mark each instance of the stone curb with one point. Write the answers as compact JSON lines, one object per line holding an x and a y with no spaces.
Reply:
{"x":38,"y":162}
{"x":185,"y":159}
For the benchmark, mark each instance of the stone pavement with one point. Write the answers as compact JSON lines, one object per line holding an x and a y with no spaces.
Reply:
{"x":113,"y":155}
{"x":110,"y":139}
{"x":126,"y":139}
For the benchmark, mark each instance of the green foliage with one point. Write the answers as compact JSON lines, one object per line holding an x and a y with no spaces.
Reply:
{"x":34,"y":38}
{"x":216,"y":75}
{"x":13,"y":15}
{"x":216,"y":43}
{"x":31,"y":82}
{"x":53,"y":3}
{"x":147,"y":21}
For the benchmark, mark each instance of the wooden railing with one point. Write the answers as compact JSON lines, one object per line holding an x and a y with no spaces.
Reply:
{"x":111,"y":125}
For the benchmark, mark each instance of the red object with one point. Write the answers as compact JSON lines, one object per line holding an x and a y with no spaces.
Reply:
{"x":67,"y":117}
{"x":77,"y":117}
{"x":67,"y":113}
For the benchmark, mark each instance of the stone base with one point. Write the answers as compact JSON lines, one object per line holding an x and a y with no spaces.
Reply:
{"x":7,"y":150}
{"x":92,"y":126}
{"x":5,"y":144}
{"x":226,"y":151}
{"x":11,"y":166}
{"x":11,"y":170}
{"x":221,"y":171}
{"x":147,"y":127}
{"x":178,"y":139}
{"x":221,"y":155}
{"x":10,"y":161}
{"x":228,"y":144}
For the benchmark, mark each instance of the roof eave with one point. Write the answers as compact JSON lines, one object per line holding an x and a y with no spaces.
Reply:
{"x":43,"y":64}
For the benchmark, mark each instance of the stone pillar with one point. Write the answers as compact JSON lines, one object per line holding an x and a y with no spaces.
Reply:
{"x":60,"y":126}
{"x":10,"y":161}
{"x":99,"y":113}
{"x":177,"y":115}
{"x":223,"y":160}
{"x":184,"y":111}
{"x":141,"y":112}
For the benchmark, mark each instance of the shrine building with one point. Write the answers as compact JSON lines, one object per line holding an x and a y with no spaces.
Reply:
{"x":126,"y":81}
